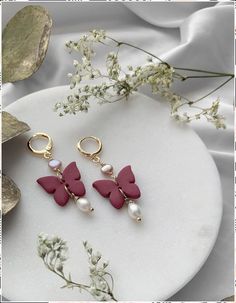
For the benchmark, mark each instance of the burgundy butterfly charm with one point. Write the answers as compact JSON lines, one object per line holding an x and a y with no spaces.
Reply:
{"x":62,"y":187}
{"x":121,"y":189}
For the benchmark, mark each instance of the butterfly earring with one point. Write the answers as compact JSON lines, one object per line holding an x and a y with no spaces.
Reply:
{"x":66,"y":184}
{"x":119,"y":189}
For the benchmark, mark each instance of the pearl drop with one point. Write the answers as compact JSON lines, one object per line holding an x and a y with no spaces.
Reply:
{"x":134,"y":211}
{"x":54,"y":164}
{"x":107,"y":169}
{"x":84,"y":205}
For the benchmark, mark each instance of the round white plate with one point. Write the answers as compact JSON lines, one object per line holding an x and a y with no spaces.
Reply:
{"x":181,"y":201}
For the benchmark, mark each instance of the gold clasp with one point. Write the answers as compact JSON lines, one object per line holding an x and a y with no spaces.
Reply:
{"x":91,"y":155}
{"x":43,"y":152}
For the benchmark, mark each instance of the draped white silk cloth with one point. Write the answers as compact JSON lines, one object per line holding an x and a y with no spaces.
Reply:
{"x":193,"y":35}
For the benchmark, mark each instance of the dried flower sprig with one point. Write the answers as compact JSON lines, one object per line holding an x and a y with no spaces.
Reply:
{"x":53,"y":252}
{"x":118,"y":82}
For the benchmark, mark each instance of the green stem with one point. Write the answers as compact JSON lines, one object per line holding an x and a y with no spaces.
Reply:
{"x":119,"y":43}
{"x":203,"y":71}
{"x":212,"y":76}
{"x":85,"y":287}
{"x":81,"y":286}
{"x":109,"y":289}
{"x":214,"y":90}
{"x":191,"y":103}
{"x":112,"y":297}
{"x":112,"y":280}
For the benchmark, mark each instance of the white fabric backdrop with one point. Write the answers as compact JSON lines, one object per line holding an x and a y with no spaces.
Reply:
{"x":196,"y":35}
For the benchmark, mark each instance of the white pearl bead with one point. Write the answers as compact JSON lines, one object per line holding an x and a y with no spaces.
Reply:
{"x":134,"y":211}
{"x":107,"y":169}
{"x":54,"y":164}
{"x":84,"y":205}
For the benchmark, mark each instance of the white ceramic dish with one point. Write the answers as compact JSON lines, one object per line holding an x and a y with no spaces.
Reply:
{"x":181,"y":201}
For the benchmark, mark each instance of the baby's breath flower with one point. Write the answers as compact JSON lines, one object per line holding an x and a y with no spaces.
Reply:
{"x":117,"y":85}
{"x":130,"y":67}
{"x":113,"y":67}
{"x":52,"y":250}
{"x":98,"y":35}
{"x":105,"y":264}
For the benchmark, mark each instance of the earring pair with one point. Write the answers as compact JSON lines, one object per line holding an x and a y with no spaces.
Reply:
{"x":67,"y":184}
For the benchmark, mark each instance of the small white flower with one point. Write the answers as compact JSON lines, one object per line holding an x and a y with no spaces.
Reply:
{"x":120,"y":84}
{"x":75,"y":63}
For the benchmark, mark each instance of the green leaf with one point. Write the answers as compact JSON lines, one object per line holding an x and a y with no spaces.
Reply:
{"x":24,"y":42}
{"x":12,"y":127}
{"x":10,"y":194}
{"x":64,"y":286}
